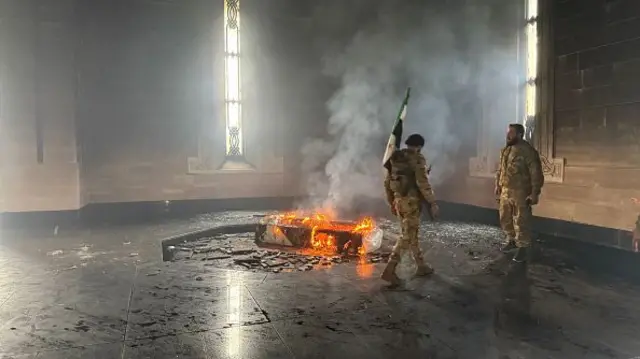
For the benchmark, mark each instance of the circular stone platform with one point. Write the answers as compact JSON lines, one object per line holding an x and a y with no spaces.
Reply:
{"x":232,"y":246}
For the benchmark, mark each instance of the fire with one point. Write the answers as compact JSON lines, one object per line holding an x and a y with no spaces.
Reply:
{"x":365,"y":225}
{"x":319,"y":222}
{"x":323,"y":242}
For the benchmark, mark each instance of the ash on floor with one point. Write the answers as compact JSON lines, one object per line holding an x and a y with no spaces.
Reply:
{"x":239,"y":251}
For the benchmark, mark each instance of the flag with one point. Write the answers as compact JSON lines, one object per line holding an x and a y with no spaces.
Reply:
{"x":396,"y":133}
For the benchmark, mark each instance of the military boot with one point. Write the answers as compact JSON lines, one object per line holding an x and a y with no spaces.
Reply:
{"x":423,"y":270}
{"x":511,"y":245}
{"x":522,"y":255}
{"x":389,"y":273}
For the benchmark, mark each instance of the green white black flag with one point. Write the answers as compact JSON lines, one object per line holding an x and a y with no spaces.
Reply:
{"x":395,"y":139}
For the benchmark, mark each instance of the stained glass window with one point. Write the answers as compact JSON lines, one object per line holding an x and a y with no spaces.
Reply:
{"x":233,"y":92}
{"x":531,"y":36}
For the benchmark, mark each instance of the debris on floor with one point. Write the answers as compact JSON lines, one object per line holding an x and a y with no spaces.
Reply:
{"x":239,"y":251}
{"x":55,"y":253}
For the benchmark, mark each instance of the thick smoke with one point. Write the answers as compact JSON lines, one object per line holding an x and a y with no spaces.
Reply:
{"x":451,"y":53}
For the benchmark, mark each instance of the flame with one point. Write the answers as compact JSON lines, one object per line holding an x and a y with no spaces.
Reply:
{"x":323,"y":242}
{"x":277,"y":231}
{"x":323,"y":221}
{"x":365,"y":225}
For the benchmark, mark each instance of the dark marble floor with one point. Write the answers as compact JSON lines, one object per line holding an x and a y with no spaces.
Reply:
{"x":105,"y":293}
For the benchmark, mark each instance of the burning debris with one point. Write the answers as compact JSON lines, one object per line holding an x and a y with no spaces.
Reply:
{"x":319,"y":233}
{"x":240,"y":251}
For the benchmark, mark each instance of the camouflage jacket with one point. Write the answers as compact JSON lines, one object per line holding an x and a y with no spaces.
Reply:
{"x":408,"y":177}
{"x":520,"y":169}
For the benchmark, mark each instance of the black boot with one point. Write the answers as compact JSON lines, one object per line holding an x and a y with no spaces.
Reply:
{"x":423,"y":270}
{"x":511,"y":245}
{"x":389,"y":273}
{"x":522,"y":255}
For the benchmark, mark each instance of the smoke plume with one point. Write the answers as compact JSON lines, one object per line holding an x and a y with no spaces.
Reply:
{"x":451,"y":53}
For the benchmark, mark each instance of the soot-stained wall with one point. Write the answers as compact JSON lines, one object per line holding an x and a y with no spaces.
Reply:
{"x":596,"y":111}
{"x":38,"y":147}
{"x":109,"y":100}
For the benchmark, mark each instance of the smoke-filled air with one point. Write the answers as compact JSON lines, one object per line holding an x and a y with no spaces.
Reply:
{"x":458,"y":57}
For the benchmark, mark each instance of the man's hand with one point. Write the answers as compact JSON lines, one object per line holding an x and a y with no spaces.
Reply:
{"x":394,"y":211}
{"x":496,"y":190}
{"x":532,"y":199}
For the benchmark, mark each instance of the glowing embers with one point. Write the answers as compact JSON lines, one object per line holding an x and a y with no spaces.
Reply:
{"x":319,"y":233}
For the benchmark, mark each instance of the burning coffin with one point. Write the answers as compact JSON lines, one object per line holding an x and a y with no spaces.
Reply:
{"x":319,"y":233}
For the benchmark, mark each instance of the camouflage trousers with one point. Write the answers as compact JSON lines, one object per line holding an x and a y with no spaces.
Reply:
{"x":515,"y":217}
{"x":408,"y":209}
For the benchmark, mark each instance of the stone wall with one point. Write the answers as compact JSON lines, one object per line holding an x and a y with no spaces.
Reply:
{"x":588,"y":123}
{"x":597,"y":104}
{"x":121,"y":101}
{"x":161,"y":76}
{"x":39,"y":155}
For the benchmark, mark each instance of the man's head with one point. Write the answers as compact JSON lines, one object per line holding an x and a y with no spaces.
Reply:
{"x":515,"y":134}
{"x":415,"y":142}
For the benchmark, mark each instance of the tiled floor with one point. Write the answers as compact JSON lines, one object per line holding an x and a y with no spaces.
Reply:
{"x":105,"y":293}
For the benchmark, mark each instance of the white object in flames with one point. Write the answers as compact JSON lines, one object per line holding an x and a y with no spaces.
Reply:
{"x":373,"y":240}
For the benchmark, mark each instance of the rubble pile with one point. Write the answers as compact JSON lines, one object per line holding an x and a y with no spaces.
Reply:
{"x":239,"y":251}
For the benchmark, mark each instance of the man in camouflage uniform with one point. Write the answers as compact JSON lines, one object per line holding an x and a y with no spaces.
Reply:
{"x":519,"y":181}
{"x":407,"y":187}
